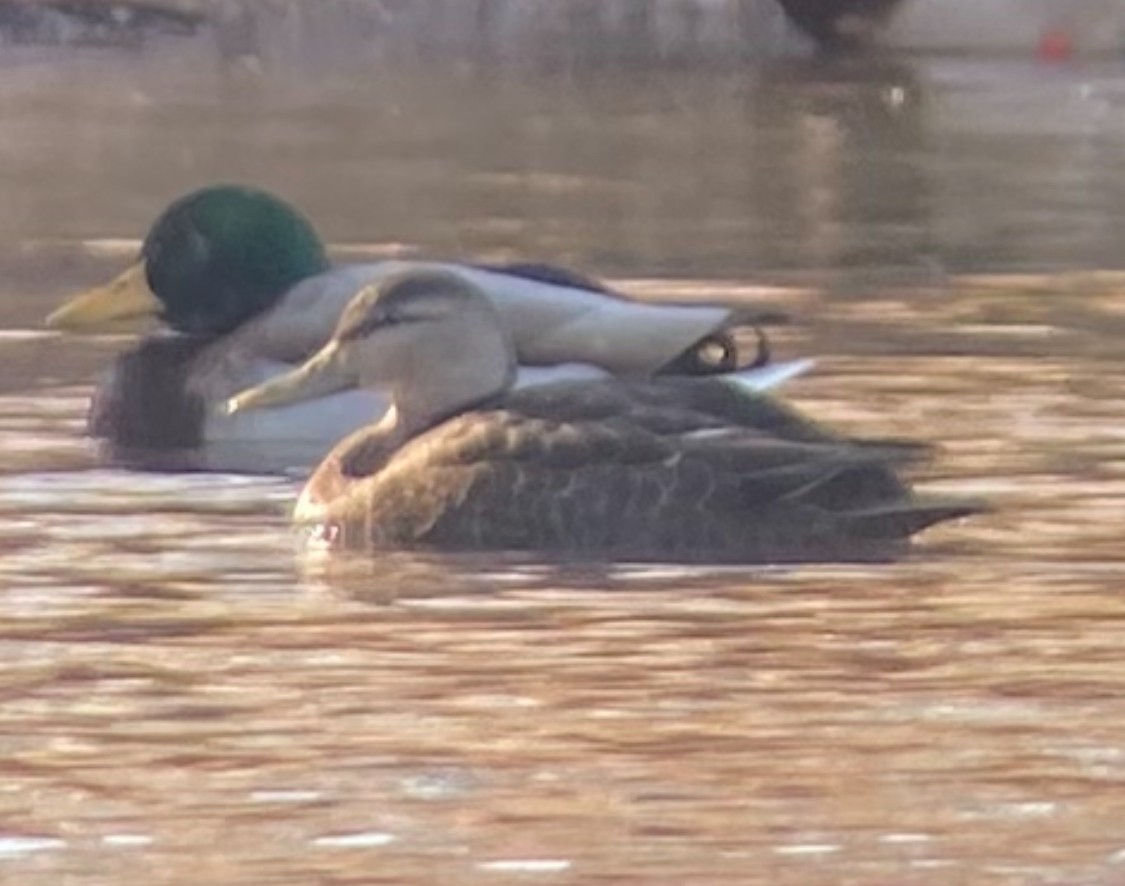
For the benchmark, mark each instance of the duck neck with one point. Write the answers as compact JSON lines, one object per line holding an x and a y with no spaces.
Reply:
{"x":445,"y":388}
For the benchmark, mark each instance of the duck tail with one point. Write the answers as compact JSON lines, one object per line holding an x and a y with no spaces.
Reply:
{"x":833,"y":481}
{"x":902,"y":519}
{"x":893,"y":450}
{"x":720,"y":352}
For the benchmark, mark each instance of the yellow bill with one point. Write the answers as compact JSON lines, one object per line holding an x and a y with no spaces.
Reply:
{"x":128,"y":297}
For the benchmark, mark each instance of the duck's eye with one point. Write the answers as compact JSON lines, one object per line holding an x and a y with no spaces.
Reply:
{"x":396,"y":318}
{"x":367,"y":324}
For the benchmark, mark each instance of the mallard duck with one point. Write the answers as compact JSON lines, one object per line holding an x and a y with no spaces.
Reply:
{"x":245,"y":281}
{"x":672,"y":468}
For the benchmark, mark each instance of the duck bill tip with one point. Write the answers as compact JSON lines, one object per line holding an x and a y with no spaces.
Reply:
{"x":278,"y":392}
{"x":126,"y":297}
{"x":320,"y":376}
{"x":233,"y":405}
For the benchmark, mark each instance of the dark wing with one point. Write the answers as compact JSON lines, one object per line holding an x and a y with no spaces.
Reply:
{"x":674,"y":406}
{"x":553,"y":275}
{"x":507,"y":480}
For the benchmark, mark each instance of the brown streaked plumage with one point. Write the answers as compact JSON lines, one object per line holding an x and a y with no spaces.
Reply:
{"x":673,"y":469}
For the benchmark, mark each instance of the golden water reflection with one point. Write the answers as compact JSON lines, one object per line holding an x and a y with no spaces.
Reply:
{"x":188,"y":697}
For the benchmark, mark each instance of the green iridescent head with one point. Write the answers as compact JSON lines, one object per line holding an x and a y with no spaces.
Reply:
{"x":213,"y":259}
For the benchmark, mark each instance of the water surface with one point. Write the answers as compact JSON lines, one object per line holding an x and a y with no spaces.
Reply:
{"x":187,"y":696}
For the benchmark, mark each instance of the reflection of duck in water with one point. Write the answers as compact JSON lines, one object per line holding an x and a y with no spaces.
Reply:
{"x":246,"y":280}
{"x":119,"y":23}
{"x":668,"y":469}
{"x":835,"y":24}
